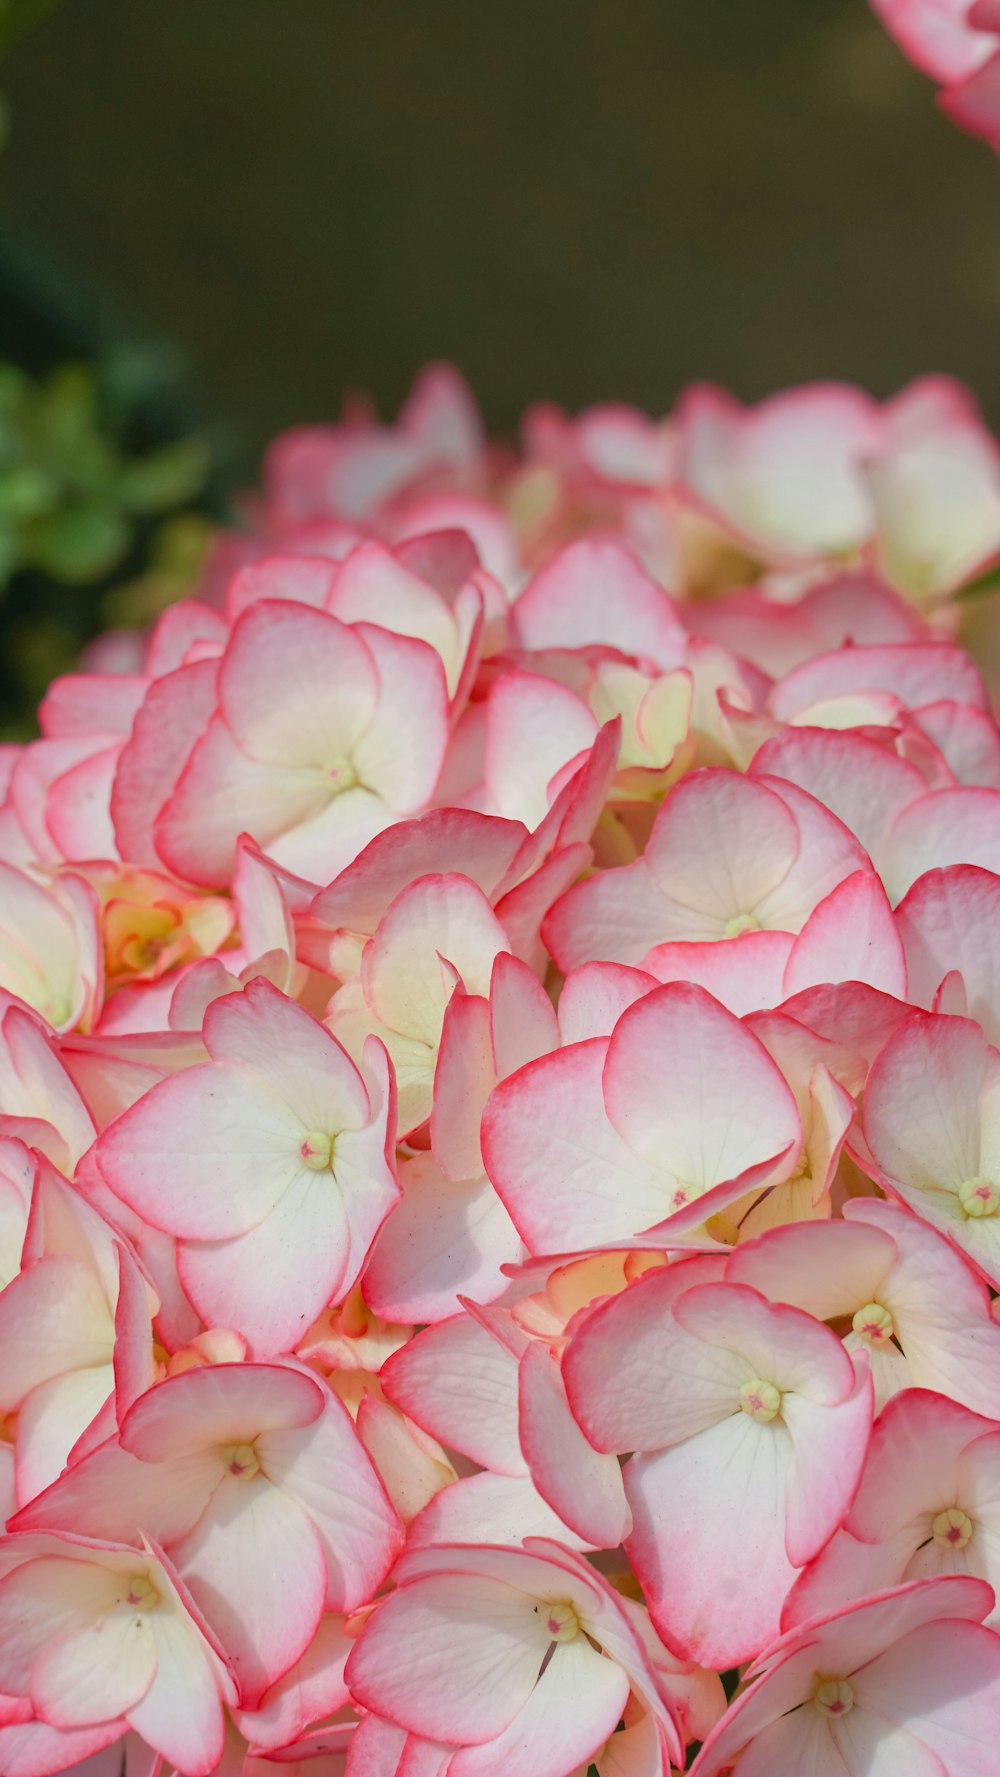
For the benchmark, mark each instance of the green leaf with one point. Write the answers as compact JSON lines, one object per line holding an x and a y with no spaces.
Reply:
{"x":78,"y":544}
{"x":61,"y":430}
{"x":15,"y":385}
{"x":64,"y":410}
{"x":166,"y":478}
{"x":10,"y":555}
{"x":25,"y":493}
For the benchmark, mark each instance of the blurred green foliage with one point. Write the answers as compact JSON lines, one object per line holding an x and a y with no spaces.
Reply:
{"x":96,"y":490}
{"x":71,"y":497}
{"x":96,"y":519}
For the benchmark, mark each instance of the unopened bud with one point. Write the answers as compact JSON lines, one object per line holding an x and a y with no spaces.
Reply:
{"x":979,"y":1197}
{"x":874,"y":1324}
{"x":834,"y":1697}
{"x":561,"y":1621}
{"x":760,"y":1400}
{"x":953,"y":1528}
{"x":141,"y":1593}
{"x":241,"y":1461}
{"x":316,"y":1151}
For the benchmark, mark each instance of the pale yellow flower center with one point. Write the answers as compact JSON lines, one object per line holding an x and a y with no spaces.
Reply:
{"x":561,"y":1621}
{"x":834,"y":1697}
{"x":141,"y":1593}
{"x":241,"y":1461}
{"x":979,"y":1197}
{"x":316,"y":1151}
{"x":341,"y":775}
{"x":740,"y":923}
{"x":953,"y":1528}
{"x":874,"y":1324}
{"x":760,"y":1400}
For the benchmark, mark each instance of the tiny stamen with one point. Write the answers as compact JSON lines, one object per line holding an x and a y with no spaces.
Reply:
{"x":341,"y":775}
{"x":316,"y":1151}
{"x":760,"y":1400}
{"x":834,"y":1697}
{"x":874,"y":1324}
{"x":953,"y":1528}
{"x":241,"y":1461}
{"x":740,"y":923}
{"x":142,"y":1594}
{"x":562,"y":1622}
{"x":979,"y":1197}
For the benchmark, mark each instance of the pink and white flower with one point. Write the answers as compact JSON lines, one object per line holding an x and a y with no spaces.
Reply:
{"x":909,"y":1676}
{"x":932,"y":1122}
{"x":956,"y":42}
{"x":534,"y":1659}
{"x":311,"y":748}
{"x":927,"y":1504}
{"x":270,"y":1163}
{"x":497,"y":1089}
{"x":99,"y":1638}
{"x":650,"y":1131}
{"x":749,"y":1425}
{"x":254,"y":1479}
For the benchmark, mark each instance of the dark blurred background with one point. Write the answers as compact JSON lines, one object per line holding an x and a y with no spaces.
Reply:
{"x":237,"y":210}
{"x":570,"y":198}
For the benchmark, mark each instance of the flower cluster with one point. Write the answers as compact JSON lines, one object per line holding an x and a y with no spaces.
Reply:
{"x":956,"y":42}
{"x":500,"y":1120}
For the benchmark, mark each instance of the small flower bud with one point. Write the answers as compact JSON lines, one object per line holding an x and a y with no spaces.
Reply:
{"x":241,"y":1461}
{"x":834,"y":1697}
{"x":874,"y":1324}
{"x":562,"y":1622}
{"x":953,"y":1528}
{"x":760,"y":1400}
{"x":316,"y":1151}
{"x":979,"y":1197}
